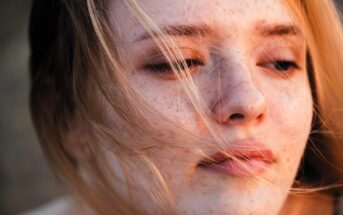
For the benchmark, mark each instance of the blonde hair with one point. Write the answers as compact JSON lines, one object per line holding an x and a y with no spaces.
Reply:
{"x":72,"y":40}
{"x":324,"y":38}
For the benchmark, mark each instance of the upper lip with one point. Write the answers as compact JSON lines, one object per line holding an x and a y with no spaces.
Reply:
{"x":242,"y":150}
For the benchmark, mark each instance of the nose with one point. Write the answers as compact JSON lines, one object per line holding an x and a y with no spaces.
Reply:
{"x":241,"y":104}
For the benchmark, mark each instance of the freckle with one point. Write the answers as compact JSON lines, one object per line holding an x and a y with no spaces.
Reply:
{"x":171,"y":134}
{"x":200,"y":125}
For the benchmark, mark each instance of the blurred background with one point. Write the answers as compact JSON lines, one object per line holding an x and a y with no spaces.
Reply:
{"x":25,"y":179}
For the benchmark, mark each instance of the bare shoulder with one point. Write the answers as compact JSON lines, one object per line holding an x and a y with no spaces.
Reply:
{"x":60,"y":206}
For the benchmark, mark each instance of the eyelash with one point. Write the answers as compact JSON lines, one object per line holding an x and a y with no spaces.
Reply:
{"x":282,"y":65}
{"x":166,"y":67}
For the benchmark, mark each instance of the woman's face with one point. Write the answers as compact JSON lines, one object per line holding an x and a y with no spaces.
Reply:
{"x":247,"y":59}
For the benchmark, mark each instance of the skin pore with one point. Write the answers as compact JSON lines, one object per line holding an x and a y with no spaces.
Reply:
{"x":248,"y":62}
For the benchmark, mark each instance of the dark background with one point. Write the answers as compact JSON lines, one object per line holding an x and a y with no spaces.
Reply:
{"x":25,"y":179}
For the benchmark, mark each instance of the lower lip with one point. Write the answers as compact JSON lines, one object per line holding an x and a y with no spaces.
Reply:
{"x":242,"y":168}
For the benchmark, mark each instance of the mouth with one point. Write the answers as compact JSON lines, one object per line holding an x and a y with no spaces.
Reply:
{"x":241,"y":163}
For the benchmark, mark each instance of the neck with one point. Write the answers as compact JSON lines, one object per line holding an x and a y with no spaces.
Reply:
{"x":308,"y":204}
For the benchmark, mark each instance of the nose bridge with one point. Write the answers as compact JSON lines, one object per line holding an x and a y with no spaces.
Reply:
{"x":236,"y":76}
{"x":240,"y":99}
{"x":234,"y":67}
{"x":243,"y":86}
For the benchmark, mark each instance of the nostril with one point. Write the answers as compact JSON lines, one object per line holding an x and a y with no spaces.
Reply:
{"x":236,"y":116}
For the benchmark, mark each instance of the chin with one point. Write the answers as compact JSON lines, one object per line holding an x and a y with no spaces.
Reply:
{"x":244,"y":202}
{"x":248,"y":208}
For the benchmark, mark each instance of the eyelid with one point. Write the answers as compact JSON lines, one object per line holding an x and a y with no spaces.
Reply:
{"x":189,"y":56}
{"x":280,"y":52}
{"x":279,"y":64}
{"x":280,"y":60}
{"x":186,"y":53}
{"x":280,"y":68}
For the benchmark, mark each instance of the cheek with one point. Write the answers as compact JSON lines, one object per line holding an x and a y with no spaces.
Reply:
{"x":291,"y":113}
{"x":293,"y":110}
{"x":169,"y":99}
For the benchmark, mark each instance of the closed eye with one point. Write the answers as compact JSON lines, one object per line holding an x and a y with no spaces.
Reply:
{"x":281,"y":65}
{"x":166,"y":67}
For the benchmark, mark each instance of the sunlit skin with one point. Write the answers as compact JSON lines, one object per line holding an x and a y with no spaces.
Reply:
{"x":248,"y":62}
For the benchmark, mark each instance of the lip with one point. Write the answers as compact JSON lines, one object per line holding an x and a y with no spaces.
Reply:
{"x":238,"y":162}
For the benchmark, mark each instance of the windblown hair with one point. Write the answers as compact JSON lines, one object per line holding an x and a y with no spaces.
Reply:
{"x":77,"y":69}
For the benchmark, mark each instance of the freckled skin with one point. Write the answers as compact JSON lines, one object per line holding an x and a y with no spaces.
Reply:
{"x":284,"y":104}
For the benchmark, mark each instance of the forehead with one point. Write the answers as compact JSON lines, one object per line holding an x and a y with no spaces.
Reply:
{"x":229,"y":16}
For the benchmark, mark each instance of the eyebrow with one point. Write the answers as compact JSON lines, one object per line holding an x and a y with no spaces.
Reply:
{"x":268,"y":30}
{"x":203,"y":30}
{"x":199,"y":30}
